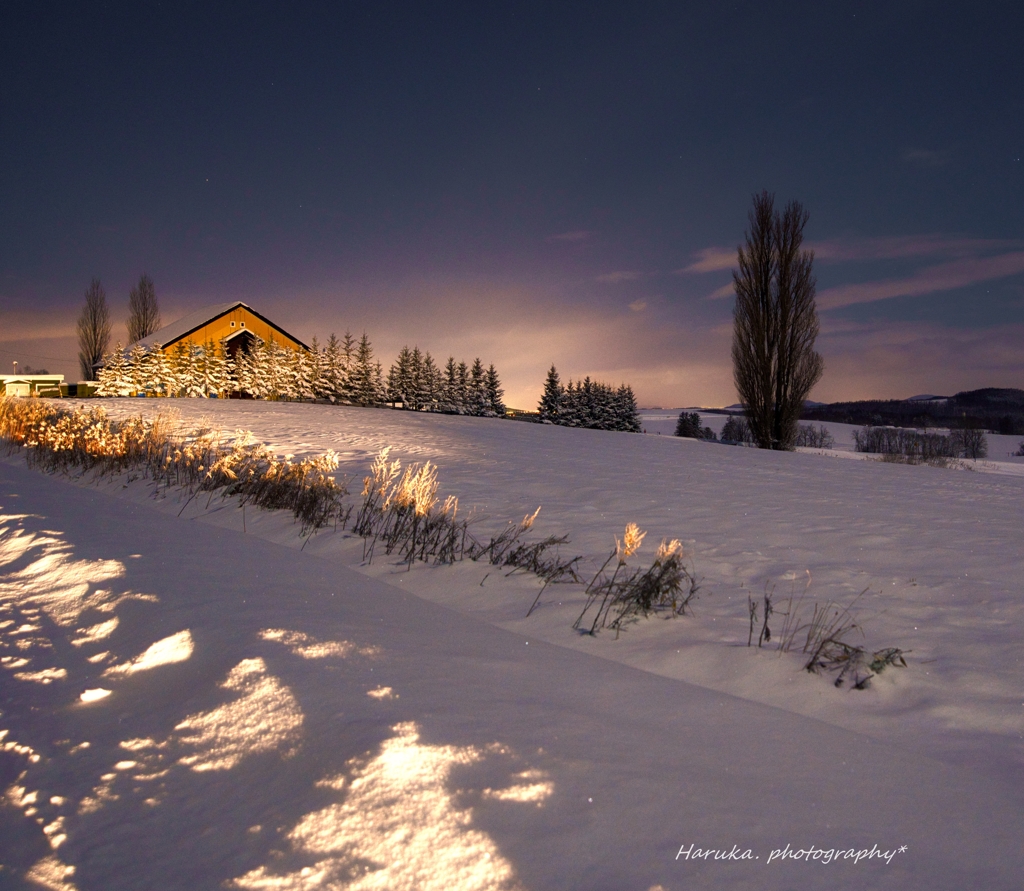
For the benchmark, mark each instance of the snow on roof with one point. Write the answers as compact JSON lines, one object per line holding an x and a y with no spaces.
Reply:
{"x":176,"y":330}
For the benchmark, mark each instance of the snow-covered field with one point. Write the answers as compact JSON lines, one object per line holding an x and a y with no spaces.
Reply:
{"x":194,"y":702}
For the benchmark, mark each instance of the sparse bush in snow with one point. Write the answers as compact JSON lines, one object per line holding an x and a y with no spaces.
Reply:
{"x":822,"y":639}
{"x":809,"y":437}
{"x":628,"y":593}
{"x":540,"y":558}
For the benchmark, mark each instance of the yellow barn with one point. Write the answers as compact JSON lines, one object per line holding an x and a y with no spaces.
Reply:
{"x":236,"y":324}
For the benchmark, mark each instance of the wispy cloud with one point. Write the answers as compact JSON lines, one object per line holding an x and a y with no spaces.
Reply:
{"x":638,"y":305}
{"x":942,"y":277}
{"x":928,"y":157}
{"x":838,"y":250}
{"x":616,"y":277}
{"x":841,"y":250}
{"x":965,"y":264}
{"x":576,"y":235}
{"x":712,"y":259}
{"x":723,"y":292}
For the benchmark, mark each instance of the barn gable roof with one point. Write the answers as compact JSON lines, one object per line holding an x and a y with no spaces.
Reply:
{"x":183,"y":327}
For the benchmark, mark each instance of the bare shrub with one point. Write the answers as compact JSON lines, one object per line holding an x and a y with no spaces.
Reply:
{"x":823,"y":640}
{"x":970,"y":442}
{"x":736,"y":430}
{"x":809,"y":437}
{"x":541,"y":558}
{"x":906,"y":446}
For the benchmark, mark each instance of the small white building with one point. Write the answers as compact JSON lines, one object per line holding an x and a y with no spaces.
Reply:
{"x":31,"y":384}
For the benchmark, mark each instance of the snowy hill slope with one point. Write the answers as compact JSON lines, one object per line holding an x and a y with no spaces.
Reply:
{"x":486,"y":757}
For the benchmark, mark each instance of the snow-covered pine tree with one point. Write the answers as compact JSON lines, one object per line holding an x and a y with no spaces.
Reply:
{"x":449,"y":386}
{"x":551,"y":400}
{"x":568,"y":410}
{"x":495,"y":393}
{"x":346,"y":380}
{"x":601,"y":406}
{"x":245,"y":371}
{"x":377,"y":385}
{"x":628,"y":415}
{"x":300,"y":380}
{"x":259,"y":370}
{"x":587,"y":409}
{"x":200,"y":382}
{"x":333,"y":373}
{"x":136,"y":368}
{"x":367,"y":378}
{"x":604,"y":407}
{"x":362,"y":377}
{"x":262,"y":368}
{"x":477,"y":388}
{"x":393,"y":382}
{"x":218,"y":369}
{"x":462,"y":389}
{"x":179,"y":361}
{"x":195,"y":375}
{"x":400,"y":380}
{"x":415,"y":382}
{"x":428,"y":395}
{"x":280,"y":380}
{"x":156,"y":370}
{"x":115,"y":375}
{"x":316,"y":369}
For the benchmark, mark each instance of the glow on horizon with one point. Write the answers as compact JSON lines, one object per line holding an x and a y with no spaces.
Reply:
{"x":673,"y":351}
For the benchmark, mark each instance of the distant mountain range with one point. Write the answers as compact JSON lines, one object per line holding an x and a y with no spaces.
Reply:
{"x":1000,"y":410}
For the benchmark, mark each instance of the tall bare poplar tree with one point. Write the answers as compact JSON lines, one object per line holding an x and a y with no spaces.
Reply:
{"x":93,"y":330}
{"x":143,"y":312}
{"x":775,"y":323}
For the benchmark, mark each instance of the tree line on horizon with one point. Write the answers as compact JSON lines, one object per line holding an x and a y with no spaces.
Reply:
{"x":341,"y":371}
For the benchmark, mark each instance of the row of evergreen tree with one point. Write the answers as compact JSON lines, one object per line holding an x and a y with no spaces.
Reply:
{"x":588,"y":403}
{"x":416,"y":382}
{"x":341,"y":371}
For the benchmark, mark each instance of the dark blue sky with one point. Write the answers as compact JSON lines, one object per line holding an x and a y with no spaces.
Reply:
{"x":532,"y":183}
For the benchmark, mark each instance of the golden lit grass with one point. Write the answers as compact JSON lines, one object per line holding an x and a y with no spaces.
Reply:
{"x":401,"y":511}
{"x":60,"y":441}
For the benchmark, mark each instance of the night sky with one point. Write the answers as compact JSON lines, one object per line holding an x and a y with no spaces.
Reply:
{"x":529,"y":183}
